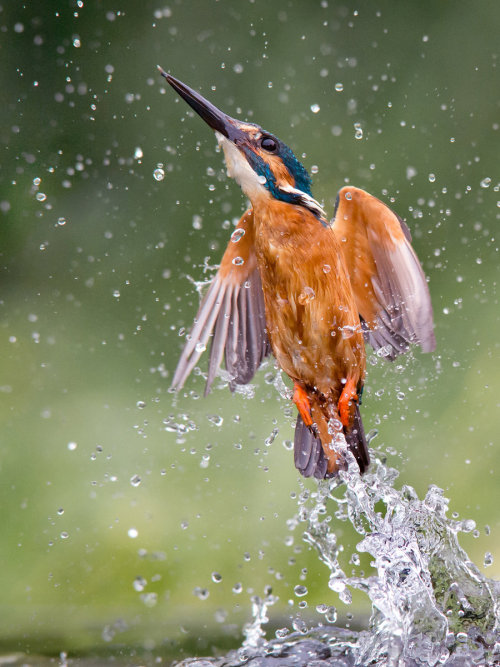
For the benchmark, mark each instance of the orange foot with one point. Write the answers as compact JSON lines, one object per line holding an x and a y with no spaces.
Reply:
{"x":302,"y":402}
{"x":347,"y":399}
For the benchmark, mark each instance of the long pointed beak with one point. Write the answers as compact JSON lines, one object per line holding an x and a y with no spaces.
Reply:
{"x":215,"y":118}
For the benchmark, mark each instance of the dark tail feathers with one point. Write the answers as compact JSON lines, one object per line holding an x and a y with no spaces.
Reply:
{"x":308,"y":452}
{"x":356,"y":439}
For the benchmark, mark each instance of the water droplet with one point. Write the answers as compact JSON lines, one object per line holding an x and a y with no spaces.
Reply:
{"x":486,"y":182}
{"x":358,"y":131}
{"x":64,"y":535}
{"x":432,"y":178}
{"x":237,"y":588}
{"x":331,"y":615}
{"x":411,"y":172}
{"x":116,"y":293}
{"x":215,"y":419}
{"x":216,"y":577}
{"x":299,"y":625}
{"x":348,"y":331}
{"x":306,"y":296}
{"x":281,"y":632}
{"x":336,"y":585}
{"x":339,"y":87}
{"x":138,"y":154}
{"x":61,"y":222}
{"x":345,"y":596}
{"x":133,"y":533}
{"x":220,"y":615}
{"x":41,"y":196}
{"x":140,"y":584}
{"x":141,"y":405}
{"x":159,"y":174}
{"x":269,"y":440}
{"x":262,"y":179}
{"x":237,"y":235}
{"x":149,"y":599}
{"x":76,"y":42}
{"x":335,"y":426}
{"x":238,"y":68}
{"x":300,"y":591}
{"x":238,"y":261}
{"x":488,"y":559}
{"x":201,"y":593}
{"x":72,"y":446}
{"x":326,"y":268}
{"x":315,"y":108}
{"x":135,"y":480}
{"x":400,"y":396}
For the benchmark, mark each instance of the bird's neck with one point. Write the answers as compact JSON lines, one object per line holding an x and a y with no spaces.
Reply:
{"x":279,"y":223}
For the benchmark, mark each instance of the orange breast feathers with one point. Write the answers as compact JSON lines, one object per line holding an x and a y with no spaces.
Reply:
{"x":311,"y":315}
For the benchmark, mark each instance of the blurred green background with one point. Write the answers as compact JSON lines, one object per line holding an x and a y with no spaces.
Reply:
{"x":119,"y":500}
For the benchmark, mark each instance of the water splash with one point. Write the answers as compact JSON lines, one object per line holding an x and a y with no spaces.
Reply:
{"x":430,"y":604}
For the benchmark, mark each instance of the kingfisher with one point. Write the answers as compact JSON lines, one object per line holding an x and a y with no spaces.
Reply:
{"x":307,"y":290}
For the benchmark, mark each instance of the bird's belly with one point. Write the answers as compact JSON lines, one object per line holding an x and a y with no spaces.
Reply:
{"x":315,"y":341}
{"x":311,"y":316}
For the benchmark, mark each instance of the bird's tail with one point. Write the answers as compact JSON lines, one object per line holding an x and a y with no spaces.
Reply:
{"x":309,"y":457}
{"x":309,"y":452}
{"x":356,"y":441}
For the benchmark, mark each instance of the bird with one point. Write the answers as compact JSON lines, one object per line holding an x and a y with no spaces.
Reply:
{"x":307,"y":290}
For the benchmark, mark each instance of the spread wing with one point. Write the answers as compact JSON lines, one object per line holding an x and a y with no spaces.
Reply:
{"x":233,"y":311}
{"x":388,"y":282}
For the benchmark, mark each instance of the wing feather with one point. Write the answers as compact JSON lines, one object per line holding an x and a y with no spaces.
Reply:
{"x":200,"y":333}
{"x":232,"y":312}
{"x":231,"y":355}
{"x":388,"y":282}
{"x":219,"y":338}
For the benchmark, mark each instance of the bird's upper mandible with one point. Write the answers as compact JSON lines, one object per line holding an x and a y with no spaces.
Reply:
{"x":261,"y":164}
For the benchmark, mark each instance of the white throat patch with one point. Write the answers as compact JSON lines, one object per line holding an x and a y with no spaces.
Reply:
{"x":239,"y":169}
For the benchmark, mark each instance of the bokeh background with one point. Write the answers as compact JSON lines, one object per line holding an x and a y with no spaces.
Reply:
{"x":136,"y":520}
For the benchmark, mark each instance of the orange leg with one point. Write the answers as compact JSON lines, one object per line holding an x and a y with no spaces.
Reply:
{"x":347,"y":399}
{"x":302,"y":402}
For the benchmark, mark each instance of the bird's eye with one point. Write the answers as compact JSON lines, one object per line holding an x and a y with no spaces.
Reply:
{"x":268,"y":144}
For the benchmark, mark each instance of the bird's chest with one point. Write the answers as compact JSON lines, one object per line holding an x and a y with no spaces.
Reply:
{"x":311,"y":318}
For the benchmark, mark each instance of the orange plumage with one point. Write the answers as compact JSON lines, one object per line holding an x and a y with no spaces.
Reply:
{"x":307,"y":290}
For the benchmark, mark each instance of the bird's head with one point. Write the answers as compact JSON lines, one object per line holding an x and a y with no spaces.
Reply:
{"x":260,"y":163}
